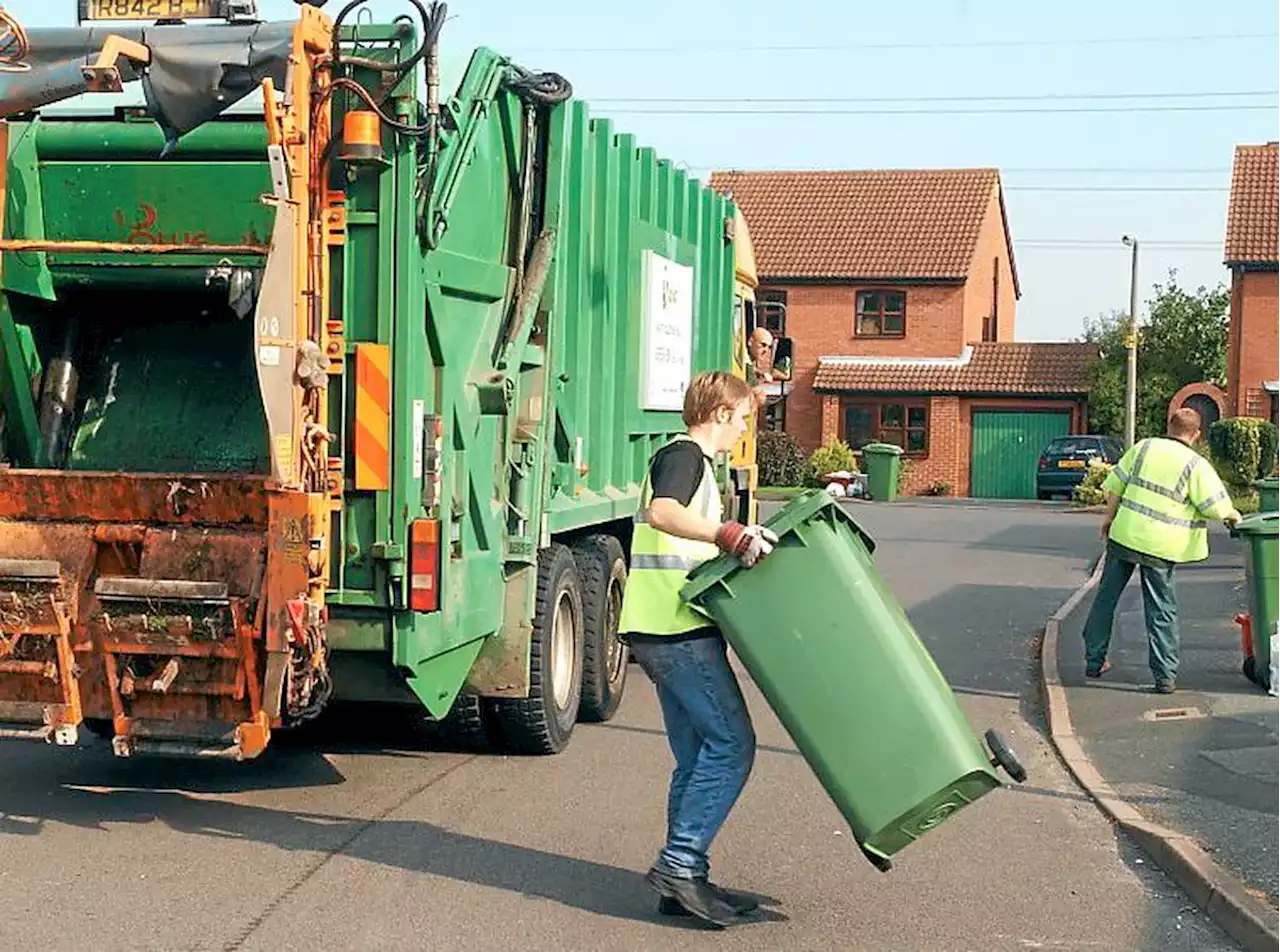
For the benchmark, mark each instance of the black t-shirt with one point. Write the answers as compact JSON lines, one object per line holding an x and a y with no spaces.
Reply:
{"x":676,"y":471}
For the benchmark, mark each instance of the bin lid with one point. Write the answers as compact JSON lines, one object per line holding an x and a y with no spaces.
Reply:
{"x":882,"y":449}
{"x":803,"y":508}
{"x":1268,"y":482}
{"x":1260,"y":524}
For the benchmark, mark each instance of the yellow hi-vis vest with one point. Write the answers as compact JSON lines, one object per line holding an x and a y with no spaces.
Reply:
{"x":1167,"y":491}
{"x":661,"y":563}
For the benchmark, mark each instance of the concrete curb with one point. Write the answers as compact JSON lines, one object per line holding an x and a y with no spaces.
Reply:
{"x":1219,"y":893}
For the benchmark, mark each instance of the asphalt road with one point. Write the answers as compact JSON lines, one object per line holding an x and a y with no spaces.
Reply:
{"x":336,"y":842}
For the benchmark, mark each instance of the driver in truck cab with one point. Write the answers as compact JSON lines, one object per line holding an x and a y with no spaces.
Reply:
{"x":761,"y":368}
{"x":679,"y":526}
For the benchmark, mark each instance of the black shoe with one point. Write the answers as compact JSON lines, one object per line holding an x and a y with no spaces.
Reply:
{"x":696,"y":896}
{"x":741,"y":902}
{"x":1165,"y":687}
{"x":1099,"y":671}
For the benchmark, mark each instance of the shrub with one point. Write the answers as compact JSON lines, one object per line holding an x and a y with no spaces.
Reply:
{"x":780,"y":460}
{"x":904,"y":472}
{"x":1089,"y":492}
{"x":1242,"y":449}
{"x":835,"y":457}
{"x":1246,"y":503}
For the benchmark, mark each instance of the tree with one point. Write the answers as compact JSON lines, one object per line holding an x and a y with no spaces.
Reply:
{"x":1184,"y":341}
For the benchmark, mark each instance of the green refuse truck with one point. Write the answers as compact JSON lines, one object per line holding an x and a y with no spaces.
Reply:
{"x":325,"y":377}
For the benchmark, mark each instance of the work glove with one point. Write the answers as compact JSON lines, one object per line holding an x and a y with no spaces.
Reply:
{"x":748,"y":544}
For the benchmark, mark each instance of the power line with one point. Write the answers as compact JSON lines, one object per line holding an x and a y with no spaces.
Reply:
{"x":965,"y":44}
{"x":1115,"y":243}
{"x":993,"y":111}
{"x":1034,"y":97}
{"x":1034,"y":246}
{"x":1004,"y":170}
{"x":1118,"y":170}
{"x":1113,"y":188}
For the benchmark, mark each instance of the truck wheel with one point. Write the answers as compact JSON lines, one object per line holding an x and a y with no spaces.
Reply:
{"x":603,"y":571}
{"x":542,"y":723}
{"x":466,"y":726}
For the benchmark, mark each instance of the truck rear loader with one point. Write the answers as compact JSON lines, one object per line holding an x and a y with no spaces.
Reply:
{"x":320,"y":381}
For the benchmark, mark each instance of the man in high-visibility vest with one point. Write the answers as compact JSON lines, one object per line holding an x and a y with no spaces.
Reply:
{"x":678,"y":527}
{"x":1160,"y":497}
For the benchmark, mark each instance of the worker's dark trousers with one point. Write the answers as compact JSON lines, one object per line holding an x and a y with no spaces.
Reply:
{"x":1160,"y":605}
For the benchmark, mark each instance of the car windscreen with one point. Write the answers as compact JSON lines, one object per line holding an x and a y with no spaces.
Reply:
{"x":1071,"y":447}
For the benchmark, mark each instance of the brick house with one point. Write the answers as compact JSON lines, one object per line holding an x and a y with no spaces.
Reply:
{"x":1253,"y":228}
{"x":899,"y":292}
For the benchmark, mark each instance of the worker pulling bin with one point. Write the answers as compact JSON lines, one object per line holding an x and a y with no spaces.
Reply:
{"x":842,"y":667}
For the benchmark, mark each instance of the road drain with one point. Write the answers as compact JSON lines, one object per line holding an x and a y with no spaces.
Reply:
{"x":1172,"y":714}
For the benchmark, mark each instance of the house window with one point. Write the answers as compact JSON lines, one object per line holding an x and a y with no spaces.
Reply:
{"x":881,"y":314}
{"x":902,"y":423}
{"x":771,"y":311}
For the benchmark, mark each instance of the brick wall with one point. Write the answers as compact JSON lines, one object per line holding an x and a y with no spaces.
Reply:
{"x":1254,"y":344}
{"x":991,"y":255}
{"x":820,"y":324}
{"x":947,"y":461}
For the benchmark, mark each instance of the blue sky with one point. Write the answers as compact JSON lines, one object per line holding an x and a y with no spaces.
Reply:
{"x":940,"y":56}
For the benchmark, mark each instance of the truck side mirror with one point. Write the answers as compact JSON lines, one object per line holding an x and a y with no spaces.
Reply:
{"x":783,"y":358}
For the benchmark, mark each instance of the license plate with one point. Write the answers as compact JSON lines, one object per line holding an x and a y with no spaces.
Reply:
{"x":1070,"y":464}
{"x":152,"y":9}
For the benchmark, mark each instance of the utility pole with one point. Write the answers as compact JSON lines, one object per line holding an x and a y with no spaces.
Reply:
{"x":1131,"y":344}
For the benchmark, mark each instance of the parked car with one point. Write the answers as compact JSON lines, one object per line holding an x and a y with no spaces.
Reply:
{"x":1065,"y":461}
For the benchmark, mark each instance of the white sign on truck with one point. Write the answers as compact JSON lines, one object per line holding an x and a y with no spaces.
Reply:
{"x":667,"y":330}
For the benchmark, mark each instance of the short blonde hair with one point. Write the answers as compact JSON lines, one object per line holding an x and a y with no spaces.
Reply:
{"x":710,"y":391}
{"x":1184,"y":423}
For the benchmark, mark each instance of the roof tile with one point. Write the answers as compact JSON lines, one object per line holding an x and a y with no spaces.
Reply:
{"x":1253,"y":218}
{"x":903,"y":224}
{"x":1033,"y":369}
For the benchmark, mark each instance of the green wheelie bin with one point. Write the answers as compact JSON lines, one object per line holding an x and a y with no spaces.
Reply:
{"x":1268,"y":494}
{"x":883,"y":464}
{"x":836,"y":658}
{"x":1261,"y":533}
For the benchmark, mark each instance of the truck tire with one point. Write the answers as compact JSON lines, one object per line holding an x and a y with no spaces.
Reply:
{"x":466,"y":726}
{"x":543,"y":722}
{"x":603,"y":571}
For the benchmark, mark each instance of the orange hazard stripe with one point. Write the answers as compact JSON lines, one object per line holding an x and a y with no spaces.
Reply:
{"x":371,"y":433}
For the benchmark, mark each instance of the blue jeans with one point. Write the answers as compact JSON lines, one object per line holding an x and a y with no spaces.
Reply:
{"x":1160,"y":606}
{"x":711,"y":738}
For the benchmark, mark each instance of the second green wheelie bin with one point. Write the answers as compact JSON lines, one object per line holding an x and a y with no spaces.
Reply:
{"x":884,"y":463}
{"x":840,"y":664}
{"x":1261,"y":532}
{"x":1268,"y":494}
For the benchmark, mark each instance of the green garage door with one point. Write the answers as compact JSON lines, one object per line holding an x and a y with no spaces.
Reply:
{"x":1006,"y":448}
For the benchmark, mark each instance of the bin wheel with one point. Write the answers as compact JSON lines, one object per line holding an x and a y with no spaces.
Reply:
{"x":882,"y":863}
{"x":1255,"y":673}
{"x":1002,"y":755}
